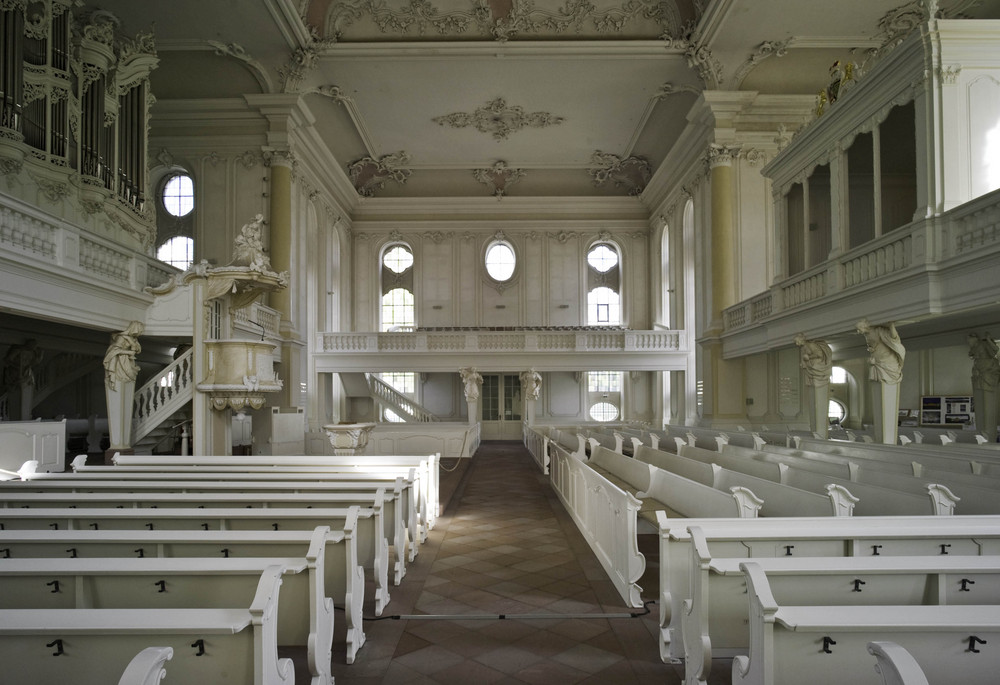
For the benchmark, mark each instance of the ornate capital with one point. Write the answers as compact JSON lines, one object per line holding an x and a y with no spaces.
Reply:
{"x":721,"y":155}
{"x":498,"y":119}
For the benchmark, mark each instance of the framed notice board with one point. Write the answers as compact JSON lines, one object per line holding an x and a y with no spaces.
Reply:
{"x":946,"y":410}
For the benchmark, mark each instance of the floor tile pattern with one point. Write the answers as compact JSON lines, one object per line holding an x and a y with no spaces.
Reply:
{"x":505,"y":545}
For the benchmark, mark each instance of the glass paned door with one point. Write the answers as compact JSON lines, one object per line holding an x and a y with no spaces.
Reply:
{"x":501,"y":405}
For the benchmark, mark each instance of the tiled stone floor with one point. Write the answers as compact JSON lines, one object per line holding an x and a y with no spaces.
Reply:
{"x":505,"y":545}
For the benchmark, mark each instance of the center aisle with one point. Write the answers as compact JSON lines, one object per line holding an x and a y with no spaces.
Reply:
{"x":505,"y":545}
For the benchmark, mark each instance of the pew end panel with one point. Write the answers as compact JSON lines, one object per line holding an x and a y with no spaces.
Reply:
{"x":896,"y":665}
{"x":233,"y":646}
{"x":823,"y":644}
{"x":148,"y":667}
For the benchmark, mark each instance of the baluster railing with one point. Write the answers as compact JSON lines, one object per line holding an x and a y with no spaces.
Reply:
{"x":163,"y":395}
{"x":397,"y":401}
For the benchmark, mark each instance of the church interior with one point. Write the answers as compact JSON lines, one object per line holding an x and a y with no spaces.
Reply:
{"x":297,"y":227}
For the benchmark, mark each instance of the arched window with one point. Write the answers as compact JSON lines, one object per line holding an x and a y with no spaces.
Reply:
{"x":603,"y":285}
{"x":398,"y":310}
{"x":178,"y":251}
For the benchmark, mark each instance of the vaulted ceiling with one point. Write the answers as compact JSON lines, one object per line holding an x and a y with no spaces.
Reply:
{"x":531,"y":97}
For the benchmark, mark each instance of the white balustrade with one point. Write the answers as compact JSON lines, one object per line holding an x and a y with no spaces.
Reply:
{"x":163,"y":395}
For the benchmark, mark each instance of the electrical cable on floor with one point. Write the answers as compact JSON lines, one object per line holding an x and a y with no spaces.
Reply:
{"x":501,"y":617}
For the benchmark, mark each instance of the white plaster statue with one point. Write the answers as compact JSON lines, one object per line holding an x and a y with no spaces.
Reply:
{"x":816,"y":358}
{"x":885,"y":352}
{"x":531,"y":384}
{"x":985,"y":364}
{"x":472,"y":380}
{"x":19,"y":364}
{"x":119,"y":361}
{"x":248,"y":250}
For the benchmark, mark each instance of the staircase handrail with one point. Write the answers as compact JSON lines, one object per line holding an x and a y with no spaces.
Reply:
{"x":163,"y":395}
{"x":401,"y":404}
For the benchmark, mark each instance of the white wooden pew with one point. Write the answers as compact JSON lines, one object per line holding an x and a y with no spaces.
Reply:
{"x":429,"y":466}
{"x":807,"y":536}
{"x":373,"y":549}
{"x":250,"y":483}
{"x":226,"y":646}
{"x":147,"y":667}
{"x":413,"y":474}
{"x":714,"y":619}
{"x":680,"y":491}
{"x":173,"y":583}
{"x":942,"y":458}
{"x":334,"y":571}
{"x":392,"y":511}
{"x":778,"y":499}
{"x":881,"y":471}
{"x":823,"y":645}
{"x":918,"y":499}
{"x":606,"y":516}
{"x":896,"y":665}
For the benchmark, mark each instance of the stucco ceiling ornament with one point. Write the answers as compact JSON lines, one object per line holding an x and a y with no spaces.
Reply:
{"x":769,"y":48}
{"x":502,"y":20}
{"x":370,"y":175}
{"x":498,"y":178}
{"x":498,"y":119}
{"x":709,"y":69}
{"x":631,"y":173}
{"x":668,"y":89}
{"x":335,"y":93}
{"x":238,"y":52}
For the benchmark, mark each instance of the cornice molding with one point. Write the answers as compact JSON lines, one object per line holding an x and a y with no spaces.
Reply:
{"x":472,"y":210}
{"x":583,"y":49}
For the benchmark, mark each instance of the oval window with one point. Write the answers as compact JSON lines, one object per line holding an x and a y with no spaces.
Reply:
{"x":500,"y":262}
{"x":178,"y":195}
{"x":604,"y":411}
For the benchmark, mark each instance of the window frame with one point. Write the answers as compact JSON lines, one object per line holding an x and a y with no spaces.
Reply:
{"x":499,"y":239}
{"x":611,"y":278}
{"x":176,"y":175}
{"x":390,"y":280}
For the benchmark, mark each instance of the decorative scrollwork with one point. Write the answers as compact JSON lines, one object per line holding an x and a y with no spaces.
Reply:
{"x":498,"y":119}
{"x":370,"y":175}
{"x":631,"y":173}
{"x":498,"y":178}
